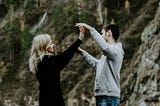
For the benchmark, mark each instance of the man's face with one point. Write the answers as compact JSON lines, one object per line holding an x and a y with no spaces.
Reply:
{"x":106,"y":35}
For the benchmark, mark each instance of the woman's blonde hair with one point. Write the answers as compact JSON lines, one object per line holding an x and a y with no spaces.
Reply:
{"x":38,"y":50}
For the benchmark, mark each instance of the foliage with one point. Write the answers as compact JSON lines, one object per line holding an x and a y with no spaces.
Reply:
{"x":65,"y":16}
{"x":3,"y":10}
{"x":25,"y":39}
{"x":13,"y":41}
{"x":9,"y":2}
{"x":31,"y":13}
{"x":18,"y":41}
{"x":14,"y":3}
{"x":64,"y":19}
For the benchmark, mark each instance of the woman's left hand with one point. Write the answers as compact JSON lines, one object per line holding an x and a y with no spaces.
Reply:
{"x":81,"y":35}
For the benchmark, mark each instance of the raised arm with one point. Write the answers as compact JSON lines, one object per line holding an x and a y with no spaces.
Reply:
{"x":107,"y":49}
{"x":64,"y":58}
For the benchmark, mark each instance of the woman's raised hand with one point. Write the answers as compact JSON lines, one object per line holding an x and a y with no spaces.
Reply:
{"x":81,"y":34}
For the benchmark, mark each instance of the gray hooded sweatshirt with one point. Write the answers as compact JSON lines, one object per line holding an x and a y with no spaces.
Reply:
{"x":107,"y":81}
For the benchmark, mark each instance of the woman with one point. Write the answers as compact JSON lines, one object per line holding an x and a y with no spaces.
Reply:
{"x":47,"y":66}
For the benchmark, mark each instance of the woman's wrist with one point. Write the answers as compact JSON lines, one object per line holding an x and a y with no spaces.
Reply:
{"x":81,"y":36}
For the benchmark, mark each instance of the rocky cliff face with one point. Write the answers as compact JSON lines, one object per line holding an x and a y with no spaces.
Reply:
{"x":143,"y":81}
{"x":140,"y":75}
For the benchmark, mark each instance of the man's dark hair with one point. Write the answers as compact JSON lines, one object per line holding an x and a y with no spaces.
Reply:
{"x":114,"y":28}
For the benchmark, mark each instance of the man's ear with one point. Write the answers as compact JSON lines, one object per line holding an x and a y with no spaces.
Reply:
{"x":110,"y":33}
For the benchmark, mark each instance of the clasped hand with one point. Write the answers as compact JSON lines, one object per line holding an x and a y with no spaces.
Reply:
{"x":82,"y":27}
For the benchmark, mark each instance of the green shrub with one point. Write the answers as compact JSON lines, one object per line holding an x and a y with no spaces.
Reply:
{"x":26,"y":40}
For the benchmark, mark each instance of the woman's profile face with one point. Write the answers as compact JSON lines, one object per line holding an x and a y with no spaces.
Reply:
{"x":50,"y":47}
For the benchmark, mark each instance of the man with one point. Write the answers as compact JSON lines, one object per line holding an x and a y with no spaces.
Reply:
{"x":107,"y":80}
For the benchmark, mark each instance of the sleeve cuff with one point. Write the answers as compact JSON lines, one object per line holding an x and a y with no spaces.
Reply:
{"x":79,"y":41}
{"x":84,"y":53}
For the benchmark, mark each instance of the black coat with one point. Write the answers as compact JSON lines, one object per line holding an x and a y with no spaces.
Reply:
{"x":48,"y":75}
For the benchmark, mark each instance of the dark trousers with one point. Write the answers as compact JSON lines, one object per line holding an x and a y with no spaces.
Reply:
{"x":107,"y":101}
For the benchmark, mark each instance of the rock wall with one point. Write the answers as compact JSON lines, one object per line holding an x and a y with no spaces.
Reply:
{"x":144,"y":80}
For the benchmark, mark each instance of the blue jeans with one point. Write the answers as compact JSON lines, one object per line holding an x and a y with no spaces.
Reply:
{"x":107,"y":101}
